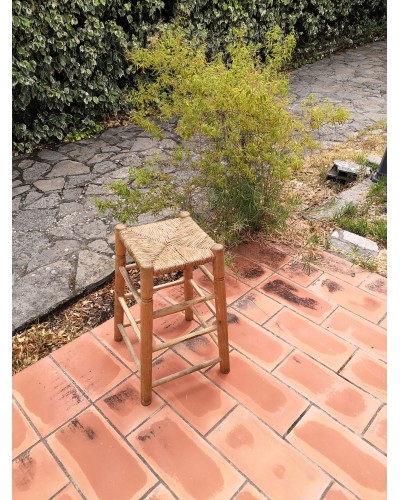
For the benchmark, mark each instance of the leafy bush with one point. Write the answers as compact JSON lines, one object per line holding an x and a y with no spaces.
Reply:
{"x":69,"y":65}
{"x":320,"y":26}
{"x":235,"y":113}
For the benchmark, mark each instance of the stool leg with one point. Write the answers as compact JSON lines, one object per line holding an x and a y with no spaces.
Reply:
{"x":220,"y":307}
{"x":146,"y":332}
{"x":119,"y":285}
{"x":188,"y":290}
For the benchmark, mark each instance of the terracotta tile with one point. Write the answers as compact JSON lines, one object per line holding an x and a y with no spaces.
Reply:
{"x":337,"y":492}
{"x":247,"y":271}
{"x":186,"y":463}
{"x":23,"y":436}
{"x":343,"y":454}
{"x":368,"y":373}
{"x":362,"y":303}
{"x":159,"y":493}
{"x":299,"y":272}
{"x":47,"y":396}
{"x":341,"y":268}
{"x":257,"y":306}
{"x":383,"y":323}
{"x":310,"y":338}
{"x":302,"y":300}
{"x":263,"y":394}
{"x":332,"y":393}
{"x":68,"y":493}
{"x":193,"y":396}
{"x":375,"y":284}
{"x":36,"y":475}
{"x":249,"y":493}
{"x":265,"y":254}
{"x":92,"y":367}
{"x":105,"y":333}
{"x":101,"y":464}
{"x":197,"y":350}
{"x":234,"y":288}
{"x":270,"y":463}
{"x":173,"y":325}
{"x":175,"y":296}
{"x":358,"y":331}
{"x":123,"y":408}
{"x":377,"y":431}
{"x":255,"y":342}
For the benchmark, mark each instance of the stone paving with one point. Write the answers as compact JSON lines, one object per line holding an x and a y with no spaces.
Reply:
{"x":63,"y":247}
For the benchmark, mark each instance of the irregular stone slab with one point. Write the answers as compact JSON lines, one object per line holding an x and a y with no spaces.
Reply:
{"x":83,"y":153}
{"x":143,"y":143}
{"x":127,"y":159}
{"x":346,"y":171}
{"x":16,"y":203}
{"x":355,"y":195}
{"x":39,"y":292}
{"x":92,"y":270}
{"x":79,"y":180}
{"x":346,"y":241}
{"x":69,"y":167}
{"x":16,"y":183}
{"x":34,"y":220}
{"x":92,"y":230}
{"x":35,"y":172}
{"x":100,"y":246}
{"x":67,"y":148}
{"x":61,"y":250}
{"x":110,"y":149}
{"x":25,"y":245}
{"x":98,"y":158}
{"x":103,"y":167}
{"x":15,"y":174}
{"x":72,"y":194}
{"x":50,"y":201}
{"x":19,"y":190}
{"x":50,"y":185}
{"x":168,"y":144}
{"x":374,"y":160}
{"x":70,"y":208}
{"x":23,"y":164}
{"x":31,"y":197}
{"x":51,"y":156}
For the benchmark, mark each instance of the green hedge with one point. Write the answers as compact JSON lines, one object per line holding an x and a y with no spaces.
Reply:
{"x":69,"y":64}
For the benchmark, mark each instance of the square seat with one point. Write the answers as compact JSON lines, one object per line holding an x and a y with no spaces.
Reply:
{"x":159,"y":248}
{"x":168,"y":245}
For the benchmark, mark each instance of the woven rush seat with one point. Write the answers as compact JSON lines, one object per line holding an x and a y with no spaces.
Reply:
{"x":168,"y":245}
{"x":159,"y":248}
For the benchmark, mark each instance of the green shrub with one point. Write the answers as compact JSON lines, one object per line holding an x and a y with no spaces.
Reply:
{"x":236,"y":115}
{"x":69,"y":64}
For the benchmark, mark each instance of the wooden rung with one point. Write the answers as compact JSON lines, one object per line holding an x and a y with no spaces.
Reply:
{"x":131,"y":286}
{"x":203,"y":323}
{"x":201,"y":293}
{"x":192,"y":369}
{"x":167,"y":285}
{"x":129,"y":345}
{"x":131,"y":266}
{"x":178,"y":340}
{"x":131,"y":319}
{"x":207,"y":273}
{"x":180,"y":307}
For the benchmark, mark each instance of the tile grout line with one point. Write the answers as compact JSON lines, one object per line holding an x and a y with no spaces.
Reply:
{"x":61,"y":490}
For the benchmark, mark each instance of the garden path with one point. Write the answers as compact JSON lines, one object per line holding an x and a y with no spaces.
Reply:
{"x":63,"y":247}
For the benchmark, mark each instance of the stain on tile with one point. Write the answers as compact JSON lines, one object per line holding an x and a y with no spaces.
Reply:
{"x":289,"y":293}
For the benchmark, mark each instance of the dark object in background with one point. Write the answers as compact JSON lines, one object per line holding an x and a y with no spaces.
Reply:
{"x":382,"y":170}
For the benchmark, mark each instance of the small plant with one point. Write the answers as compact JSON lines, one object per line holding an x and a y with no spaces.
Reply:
{"x":85,"y":133}
{"x":234,"y":110}
{"x":378,"y":191}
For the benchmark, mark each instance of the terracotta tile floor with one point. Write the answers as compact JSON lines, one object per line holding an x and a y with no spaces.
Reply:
{"x":302,"y":414}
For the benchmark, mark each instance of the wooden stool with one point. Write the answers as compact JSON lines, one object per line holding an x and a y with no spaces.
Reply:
{"x":160,"y":248}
